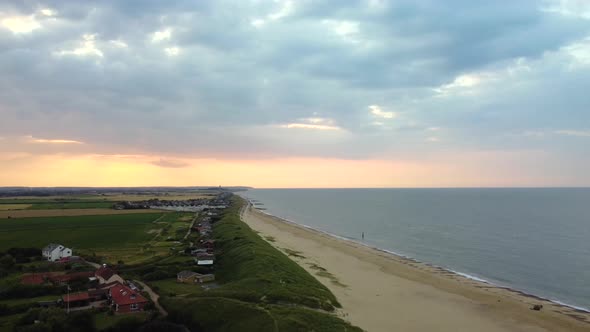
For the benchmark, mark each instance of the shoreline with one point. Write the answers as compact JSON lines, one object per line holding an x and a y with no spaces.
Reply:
{"x":406,"y":257}
{"x":402,"y":256}
{"x":555,"y":316}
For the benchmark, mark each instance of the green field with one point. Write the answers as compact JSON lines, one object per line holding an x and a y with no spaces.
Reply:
{"x":71,"y":205}
{"x":78,"y":232}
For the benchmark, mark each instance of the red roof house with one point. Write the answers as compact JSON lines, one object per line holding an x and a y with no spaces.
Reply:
{"x":76,"y":299}
{"x":126,"y":300}
{"x":107,"y":275}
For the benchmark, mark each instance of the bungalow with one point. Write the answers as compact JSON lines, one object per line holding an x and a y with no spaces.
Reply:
{"x":126,"y":300}
{"x":54,"y":252}
{"x":62,"y":279}
{"x":76,"y":300}
{"x":106,"y":275}
{"x":190,"y":277}
{"x":205,"y":259}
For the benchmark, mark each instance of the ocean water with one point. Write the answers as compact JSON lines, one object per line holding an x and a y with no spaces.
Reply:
{"x":533,"y":240}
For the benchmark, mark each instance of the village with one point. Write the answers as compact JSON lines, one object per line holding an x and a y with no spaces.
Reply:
{"x":88,"y":285}
{"x":188,"y":205}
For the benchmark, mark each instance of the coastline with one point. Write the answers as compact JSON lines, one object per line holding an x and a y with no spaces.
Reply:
{"x":430,"y":297}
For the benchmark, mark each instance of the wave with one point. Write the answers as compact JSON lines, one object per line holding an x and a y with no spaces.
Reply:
{"x":406,"y":257}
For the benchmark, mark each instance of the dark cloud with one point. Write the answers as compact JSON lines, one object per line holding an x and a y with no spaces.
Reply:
{"x":233,"y":83}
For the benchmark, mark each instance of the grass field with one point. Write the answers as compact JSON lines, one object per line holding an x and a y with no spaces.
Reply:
{"x":71,"y":205}
{"x":4,"y":207}
{"x":69,"y":212}
{"x":143,"y":197}
{"x":78,"y":232}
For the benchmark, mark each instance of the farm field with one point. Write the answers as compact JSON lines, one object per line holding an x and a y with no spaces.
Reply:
{"x":7,"y":207}
{"x":4,"y":214}
{"x":143,"y":197}
{"x":78,"y":232}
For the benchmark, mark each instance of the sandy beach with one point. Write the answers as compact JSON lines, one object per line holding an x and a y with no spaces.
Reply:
{"x":383,"y":292}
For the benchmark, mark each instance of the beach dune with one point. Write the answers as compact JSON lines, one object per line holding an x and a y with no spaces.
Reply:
{"x":383,"y":292}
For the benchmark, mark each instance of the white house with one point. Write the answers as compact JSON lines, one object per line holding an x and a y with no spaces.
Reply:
{"x":54,"y":252}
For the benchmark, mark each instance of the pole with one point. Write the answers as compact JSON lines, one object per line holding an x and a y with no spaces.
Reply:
{"x":68,"y":298}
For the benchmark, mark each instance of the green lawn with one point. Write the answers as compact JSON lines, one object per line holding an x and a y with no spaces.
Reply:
{"x":12,"y":302}
{"x":7,"y":322}
{"x":78,"y":232}
{"x":103,"y":320}
{"x":171,"y":286}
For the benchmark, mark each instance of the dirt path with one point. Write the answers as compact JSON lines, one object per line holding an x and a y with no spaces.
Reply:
{"x":190,"y":228}
{"x":154,"y":296}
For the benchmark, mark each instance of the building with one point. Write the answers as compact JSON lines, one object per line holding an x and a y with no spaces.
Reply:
{"x":106,"y":275}
{"x":76,"y":300}
{"x":190,"y":277}
{"x":126,"y":300}
{"x":54,"y":252}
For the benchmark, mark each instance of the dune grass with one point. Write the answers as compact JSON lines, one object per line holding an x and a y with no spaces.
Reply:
{"x":261,"y":289}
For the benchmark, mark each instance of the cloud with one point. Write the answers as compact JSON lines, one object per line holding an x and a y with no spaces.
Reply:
{"x":32,"y":139}
{"x":378,"y":112}
{"x":172,"y":51}
{"x":87,"y":48}
{"x":294,"y":78}
{"x":162,"y":35}
{"x":168,"y":163}
{"x":21,"y":24}
{"x":315,"y":123}
{"x":577,"y":133}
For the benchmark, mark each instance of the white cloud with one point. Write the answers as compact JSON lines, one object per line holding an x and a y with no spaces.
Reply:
{"x":31,"y":139}
{"x":347,"y":30}
{"x":48,"y":12}
{"x":464,"y":84}
{"x":287,"y":8}
{"x":433,"y":139}
{"x":378,"y":112}
{"x":257,"y":23}
{"x":87,"y":48}
{"x":579,"y":51}
{"x":159,"y":36}
{"x":21,"y":24}
{"x":312,"y":123}
{"x":577,"y":8}
{"x":119,"y":43}
{"x":172,"y":51}
{"x":577,"y":133}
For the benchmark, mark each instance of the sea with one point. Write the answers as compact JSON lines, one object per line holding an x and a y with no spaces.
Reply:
{"x":536,"y":241}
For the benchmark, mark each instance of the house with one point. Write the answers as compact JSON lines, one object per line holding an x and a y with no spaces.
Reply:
{"x":62,"y":279}
{"x":54,"y":252}
{"x":76,"y":300}
{"x":106,"y":275}
{"x":126,"y":300}
{"x":209,"y":244}
{"x":186,"y":276}
{"x":205,"y":259}
{"x":190,"y":277}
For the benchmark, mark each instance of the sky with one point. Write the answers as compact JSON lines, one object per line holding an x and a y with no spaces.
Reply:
{"x":281,"y":93}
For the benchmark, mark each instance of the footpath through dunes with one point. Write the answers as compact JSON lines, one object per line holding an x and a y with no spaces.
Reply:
{"x":259,"y":288}
{"x":383,"y":292}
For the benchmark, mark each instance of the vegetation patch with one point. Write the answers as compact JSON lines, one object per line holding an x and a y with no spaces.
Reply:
{"x":80,"y":232}
{"x":293,"y":253}
{"x":321,"y":272}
